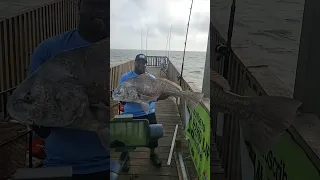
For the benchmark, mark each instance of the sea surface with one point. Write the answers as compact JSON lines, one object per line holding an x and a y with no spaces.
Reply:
{"x":266,"y":32}
{"x":193,"y":64}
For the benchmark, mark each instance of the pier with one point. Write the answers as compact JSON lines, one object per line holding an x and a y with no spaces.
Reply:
{"x":22,"y":31}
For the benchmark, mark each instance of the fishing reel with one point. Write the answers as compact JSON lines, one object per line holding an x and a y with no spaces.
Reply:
{"x":222,"y":51}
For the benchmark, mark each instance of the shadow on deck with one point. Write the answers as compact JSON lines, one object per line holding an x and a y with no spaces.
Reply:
{"x":141,"y":167}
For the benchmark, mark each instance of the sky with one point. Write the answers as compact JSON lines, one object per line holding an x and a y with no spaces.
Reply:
{"x":154,"y":18}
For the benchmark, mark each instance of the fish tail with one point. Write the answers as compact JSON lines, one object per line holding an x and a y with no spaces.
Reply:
{"x":272,"y":116}
{"x":193,"y":96}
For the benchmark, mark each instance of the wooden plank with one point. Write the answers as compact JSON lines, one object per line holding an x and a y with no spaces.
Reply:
{"x":16,"y":50}
{"x":22,"y":48}
{"x":47,"y":22}
{"x":172,"y":144}
{"x":152,"y":170}
{"x":33,"y":21}
{"x":37,"y":27}
{"x":50,"y":22}
{"x":26,"y":41}
{"x":41,"y":24}
{"x":44,"y":21}
{"x":2,"y":69}
{"x":13,"y":80}
{"x":55,"y":18}
{"x":2,"y":62}
{"x":30,"y":34}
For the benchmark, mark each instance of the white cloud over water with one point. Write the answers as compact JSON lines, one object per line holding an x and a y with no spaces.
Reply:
{"x":155,"y":18}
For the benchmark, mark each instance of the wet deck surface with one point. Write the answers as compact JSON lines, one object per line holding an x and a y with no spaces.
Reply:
{"x":141,"y":166}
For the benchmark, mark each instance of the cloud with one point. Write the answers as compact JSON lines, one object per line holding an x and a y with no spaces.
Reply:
{"x":131,"y":18}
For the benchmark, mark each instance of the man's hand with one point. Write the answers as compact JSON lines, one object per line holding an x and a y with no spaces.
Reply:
{"x":163,"y":96}
{"x":122,"y":103}
{"x":43,"y":132}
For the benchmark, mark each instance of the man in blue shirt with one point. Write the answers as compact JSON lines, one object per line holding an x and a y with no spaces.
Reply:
{"x":136,"y":110}
{"x":71,"y":147}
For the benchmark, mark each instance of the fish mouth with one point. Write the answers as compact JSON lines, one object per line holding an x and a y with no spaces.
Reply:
{"x":115,"y":98}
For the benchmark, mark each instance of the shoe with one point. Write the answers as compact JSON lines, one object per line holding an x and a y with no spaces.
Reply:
{"x":155,"y":160}
{"x":126,"y":164}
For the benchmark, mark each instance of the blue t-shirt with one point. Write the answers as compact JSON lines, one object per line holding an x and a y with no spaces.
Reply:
{"x":135,"y":108}
{"x":70,"y":147}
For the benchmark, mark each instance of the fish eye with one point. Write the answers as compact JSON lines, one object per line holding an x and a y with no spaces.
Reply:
{"x":27,"y":97}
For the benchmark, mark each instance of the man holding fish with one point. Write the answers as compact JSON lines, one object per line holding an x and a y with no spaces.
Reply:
{"x":139,"y":112}
{"x":79,"y":148}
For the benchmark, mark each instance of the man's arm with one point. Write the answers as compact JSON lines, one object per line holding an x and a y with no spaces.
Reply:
{"x":122,"y":79}
{"x":39,"y":56}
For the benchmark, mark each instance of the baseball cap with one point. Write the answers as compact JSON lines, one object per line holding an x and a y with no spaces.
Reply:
{"x":140,"y":57}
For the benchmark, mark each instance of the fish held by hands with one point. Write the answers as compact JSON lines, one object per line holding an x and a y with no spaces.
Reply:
{"x":68,"y":91}
{"x":144,"y":89}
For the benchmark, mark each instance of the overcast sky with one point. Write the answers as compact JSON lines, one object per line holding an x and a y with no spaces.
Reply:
{"x":128,"y":17}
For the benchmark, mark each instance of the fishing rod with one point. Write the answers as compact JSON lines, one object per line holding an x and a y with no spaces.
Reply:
{"x":147,"y":42}
{"x":169,"y":41}
{"x":225,"y":50}
{"x":141,"y":41}
{"x":185,"y":44}
{"x":167,"y":44}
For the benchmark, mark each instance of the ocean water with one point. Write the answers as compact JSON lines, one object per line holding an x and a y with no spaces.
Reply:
{"x":266,"y":32}
{"x":193,"y":64}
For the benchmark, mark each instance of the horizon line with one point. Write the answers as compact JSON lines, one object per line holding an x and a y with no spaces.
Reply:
{"x":156,"y":50}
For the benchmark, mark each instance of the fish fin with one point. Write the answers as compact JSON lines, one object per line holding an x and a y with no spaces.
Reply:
{"x":219,"y":80}
{"x":145,"y":98}
{"x":273,"y":115}
{"x":146,"y":107}
{"x":170,"y":82}
{"x":100,"y":112}
{"x":145,"y":74}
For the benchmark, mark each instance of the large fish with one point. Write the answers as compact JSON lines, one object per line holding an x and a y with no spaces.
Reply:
{"x":262,"y":118}
{"x":143,"y":89}
{"x":69,"y":91}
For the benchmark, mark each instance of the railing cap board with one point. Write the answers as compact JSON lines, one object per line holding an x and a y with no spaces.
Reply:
{"x":304,"y":136}
{"x":308,"y":127}
{"x":115,"y":64}
{"x":10,"y":9}
{"x":269,"y":82}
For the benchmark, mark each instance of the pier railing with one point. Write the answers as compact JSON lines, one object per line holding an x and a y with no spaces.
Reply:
{"x":19,"y":36}
{"x":296,"y":154}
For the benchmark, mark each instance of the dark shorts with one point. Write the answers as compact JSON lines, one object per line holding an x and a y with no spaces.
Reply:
{"x":152,"y":120}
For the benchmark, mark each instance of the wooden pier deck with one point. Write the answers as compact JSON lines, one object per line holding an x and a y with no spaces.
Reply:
{"x":141,"y":167}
